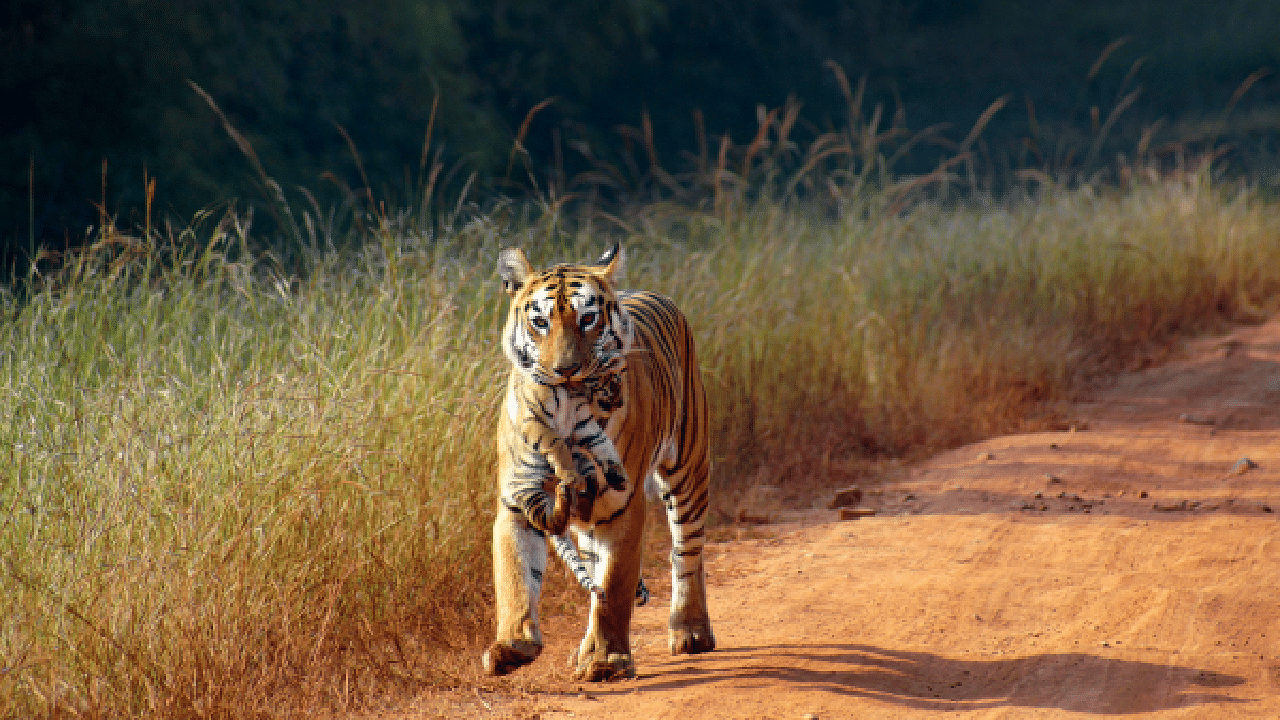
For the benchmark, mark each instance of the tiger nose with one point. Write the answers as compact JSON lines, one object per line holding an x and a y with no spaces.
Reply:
{"x":568,"y":370}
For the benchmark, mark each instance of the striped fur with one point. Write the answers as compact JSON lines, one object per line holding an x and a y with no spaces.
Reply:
{"x":572,"y":558}
{"x":595,"y":460}
{"x":604,"y":389}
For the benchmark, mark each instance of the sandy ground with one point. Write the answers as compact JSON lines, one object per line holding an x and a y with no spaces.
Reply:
{"x":1127,"y":564}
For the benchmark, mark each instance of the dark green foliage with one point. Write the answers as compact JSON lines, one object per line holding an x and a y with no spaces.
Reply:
{"x":91,"y":80}
{"x":88,"y":80}
{"x":929,"y":62}
{"x":528,"y":50}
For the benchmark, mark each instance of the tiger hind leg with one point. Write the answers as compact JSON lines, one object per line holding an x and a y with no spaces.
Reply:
{"x":689,"y":625}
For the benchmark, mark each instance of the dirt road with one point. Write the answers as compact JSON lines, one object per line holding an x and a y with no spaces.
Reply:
{"x":1128,"y":564}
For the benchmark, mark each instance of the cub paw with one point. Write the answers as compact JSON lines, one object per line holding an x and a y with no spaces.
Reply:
{"x":506,"y":655}
{"x":585,"y":490}
{"x":617,"y":666}
{"x":691,"y":642}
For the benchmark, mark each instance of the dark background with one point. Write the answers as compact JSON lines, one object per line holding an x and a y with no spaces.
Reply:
{"x":91,"y":81}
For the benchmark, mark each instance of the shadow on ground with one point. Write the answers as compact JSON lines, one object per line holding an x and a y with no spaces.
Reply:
{"x":1072,"y":681}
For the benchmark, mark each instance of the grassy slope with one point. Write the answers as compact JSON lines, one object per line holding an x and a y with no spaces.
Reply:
{"x":233,"y":490}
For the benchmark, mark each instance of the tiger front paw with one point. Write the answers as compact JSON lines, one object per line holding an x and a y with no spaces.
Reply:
{"x":594,"y":663}
{"x":685,"y":641}
{"x":505,"y":656}
{"x":616,"y":666}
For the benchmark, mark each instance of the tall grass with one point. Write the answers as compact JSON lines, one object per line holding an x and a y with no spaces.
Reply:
{"x":236,"y":489}
{"x":228,"y":491}
{"x":832,"y":343}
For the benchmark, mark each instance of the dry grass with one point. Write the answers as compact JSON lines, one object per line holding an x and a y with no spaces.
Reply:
{"x":831,"y":343}
{"x":232,"y":490}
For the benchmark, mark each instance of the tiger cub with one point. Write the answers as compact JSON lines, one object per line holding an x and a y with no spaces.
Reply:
{"x":596,"y":460}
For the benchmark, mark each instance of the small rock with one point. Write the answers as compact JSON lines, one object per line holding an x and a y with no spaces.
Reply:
{"x":847,"y":497}
{"x":985,"y":456}
{"x":810,"y":716}
{"x":855,"y":513}
{"x":1195,"y":419}
{"x":1053,"y":446}
{"x":1143,"y":495}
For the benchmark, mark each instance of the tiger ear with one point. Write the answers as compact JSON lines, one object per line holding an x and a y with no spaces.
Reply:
{"x":613,"y":262}
{"x":514,"y":269}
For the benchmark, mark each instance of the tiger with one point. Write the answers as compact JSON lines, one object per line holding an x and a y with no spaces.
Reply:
{"x":574,"y":340}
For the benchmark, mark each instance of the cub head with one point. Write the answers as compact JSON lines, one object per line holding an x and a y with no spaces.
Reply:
{"x":565,"y":323}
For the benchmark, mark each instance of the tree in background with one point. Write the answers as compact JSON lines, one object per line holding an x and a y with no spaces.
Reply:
{"x":88,"y":80}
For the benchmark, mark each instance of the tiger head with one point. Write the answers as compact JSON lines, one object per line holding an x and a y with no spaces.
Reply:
{"x":565,"y":324}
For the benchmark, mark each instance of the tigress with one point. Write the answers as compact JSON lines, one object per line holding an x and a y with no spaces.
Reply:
{"x":581,"y":351}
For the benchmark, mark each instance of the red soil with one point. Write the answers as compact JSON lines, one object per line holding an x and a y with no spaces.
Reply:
{"x":1127,"y":564}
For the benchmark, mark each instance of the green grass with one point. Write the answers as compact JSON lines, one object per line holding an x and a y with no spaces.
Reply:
{"x":232,"y":489}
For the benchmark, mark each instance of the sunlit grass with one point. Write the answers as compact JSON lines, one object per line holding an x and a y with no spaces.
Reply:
{"x":830,"y":343}
{"x":224,"y":482}
{"x":232,"y":488}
